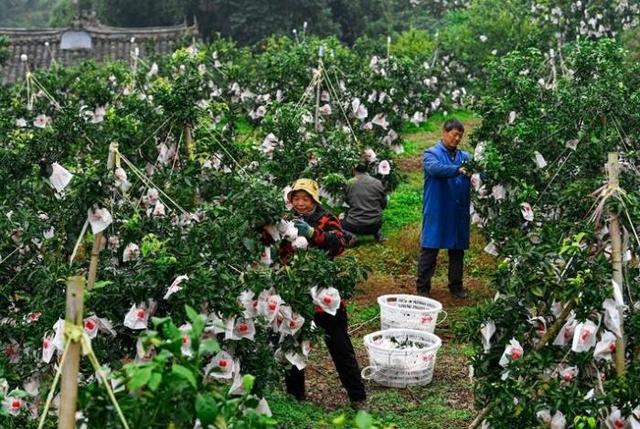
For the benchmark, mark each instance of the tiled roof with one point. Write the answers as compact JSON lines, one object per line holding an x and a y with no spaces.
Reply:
{"x":43,"y":46}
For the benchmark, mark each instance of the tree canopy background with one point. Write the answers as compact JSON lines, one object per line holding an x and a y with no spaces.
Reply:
{"x":246,"y":21}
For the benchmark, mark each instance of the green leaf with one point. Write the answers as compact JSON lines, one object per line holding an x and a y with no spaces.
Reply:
{"x":101,"y":284}
{"x":154,"y":381}
{"x":157,"y":321}
{"x":197,"y":322}
{"x":363,"y":420}
{"x":191,"y":313}
{"x":247,"y":382}
{"x":538,"y":291}
{"x":184,"y":372}
{"x":249,"y":244}
{"x":172,"y":332}
{"x":18,"y":393}
{"x":209,"y":346}
{"x":339,"y":421}
{"x":206,"y":409}
{"x":140,"y":377}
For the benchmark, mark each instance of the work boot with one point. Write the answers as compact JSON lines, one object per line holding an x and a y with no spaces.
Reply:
{"x":424,"y":293}
{"x":362,"y":405}
{"x":459,"y":292}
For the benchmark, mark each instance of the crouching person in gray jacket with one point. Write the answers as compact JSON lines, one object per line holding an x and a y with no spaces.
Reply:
{"x":367,"y":199}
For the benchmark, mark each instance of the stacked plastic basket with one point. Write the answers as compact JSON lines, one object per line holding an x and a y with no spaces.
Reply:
{"x":403,"y":352}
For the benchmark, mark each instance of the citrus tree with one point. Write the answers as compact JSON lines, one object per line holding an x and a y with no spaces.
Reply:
{"x":550,"y":343}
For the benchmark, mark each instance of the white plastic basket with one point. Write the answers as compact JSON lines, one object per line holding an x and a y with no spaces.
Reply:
{"x":401,"y":357}
{"x":409,"y":312}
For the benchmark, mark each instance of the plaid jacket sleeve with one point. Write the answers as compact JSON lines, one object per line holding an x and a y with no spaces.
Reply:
{"x":328,"y":235}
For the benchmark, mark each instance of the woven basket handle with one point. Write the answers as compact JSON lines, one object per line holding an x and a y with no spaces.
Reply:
{"x":368,"y":372}
{"x":443,"y":319}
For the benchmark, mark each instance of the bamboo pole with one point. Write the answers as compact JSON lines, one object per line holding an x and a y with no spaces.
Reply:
{"x":317,"y":115}
{"x":480,"y":417}
{"x":616,"y":260}
{"x":113,"y":160}
{"x":71,"y":364}
{"x":188,"y":139}
{"x":93,"y":265}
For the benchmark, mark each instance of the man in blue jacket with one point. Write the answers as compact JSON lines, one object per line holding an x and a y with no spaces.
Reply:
{"x":445,"y":209}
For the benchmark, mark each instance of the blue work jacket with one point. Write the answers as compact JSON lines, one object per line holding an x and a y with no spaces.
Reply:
{"x":445,"y":199}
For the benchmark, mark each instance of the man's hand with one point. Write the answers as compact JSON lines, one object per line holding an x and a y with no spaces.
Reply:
{"x":464,"y":172}
{"x":304,"y":229}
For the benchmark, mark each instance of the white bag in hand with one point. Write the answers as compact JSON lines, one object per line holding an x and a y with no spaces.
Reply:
{"x":328,"y":299}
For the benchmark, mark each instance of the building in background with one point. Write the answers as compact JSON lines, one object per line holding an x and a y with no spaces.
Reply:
{"x":86,"y":39}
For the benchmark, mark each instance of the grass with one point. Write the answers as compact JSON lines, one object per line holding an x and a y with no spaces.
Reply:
{"x":360,"y":314}
{"x":433,"y":123}
{"x":411,"y":147}
{"x":243,"y":125}
{"x":293,"y":414}
{"x":405,"y":205}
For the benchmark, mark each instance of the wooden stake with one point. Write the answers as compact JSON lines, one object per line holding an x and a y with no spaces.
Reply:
{"x":93,"y":266}
{"x":70,"y":366}
{"x":480,"y":417}
{"x":317,"y":116}
{"x":188,"y":139}
{"x":616,"y":261}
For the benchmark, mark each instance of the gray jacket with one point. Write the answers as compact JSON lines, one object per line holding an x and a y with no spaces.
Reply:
{"x":366,"y":199}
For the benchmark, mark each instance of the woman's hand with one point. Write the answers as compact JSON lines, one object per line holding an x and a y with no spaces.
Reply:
{"x":304,"y":229}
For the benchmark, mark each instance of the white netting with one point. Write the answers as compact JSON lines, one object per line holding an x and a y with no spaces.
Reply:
{"x":409,"y":312}
{"x":401,"y":357}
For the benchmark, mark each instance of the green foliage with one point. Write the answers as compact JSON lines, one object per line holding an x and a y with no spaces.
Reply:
{"x":214,"y":196}
{"x":555,"y":259}
{"x":64,"y":11}
{"x":248,"y":22}
{"x":174,"y":387}
{"x":356,"y":18}
{"x":414,"y":44}
{"x":488,"y":29}
{"x":62,"y":14}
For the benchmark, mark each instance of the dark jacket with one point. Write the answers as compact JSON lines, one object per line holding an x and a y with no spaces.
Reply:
{"x":366,"y":199}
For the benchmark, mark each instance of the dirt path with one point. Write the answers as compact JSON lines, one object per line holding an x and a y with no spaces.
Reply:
{"x":448,"y":401}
